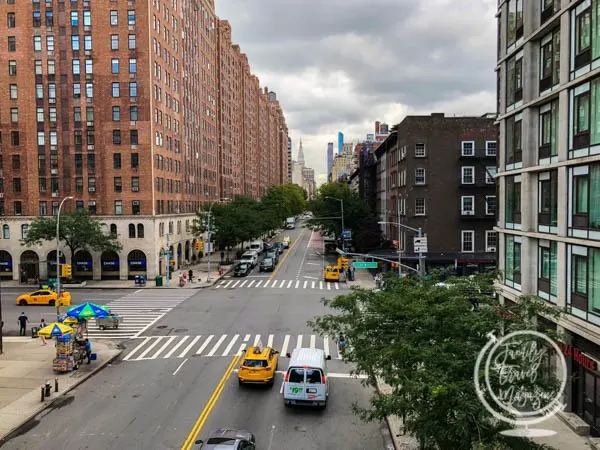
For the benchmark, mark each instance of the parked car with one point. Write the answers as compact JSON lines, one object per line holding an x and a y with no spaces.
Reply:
{"x":229,"y":438}
{"x":267,"y":265}
{"x":242,"y":270}
{"x":274,"y":255}
{"x":268,"y":246}
{"x":278,"y":246}
{"x":250,"y":257}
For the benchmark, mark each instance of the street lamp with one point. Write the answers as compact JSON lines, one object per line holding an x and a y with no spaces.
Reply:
{"x":70,"y":197}
{"x":343,"y":227}
{"x":419,"y":232}
{"x":209,"y":230}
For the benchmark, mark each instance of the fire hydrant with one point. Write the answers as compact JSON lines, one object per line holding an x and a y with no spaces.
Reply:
{"x":221,"y":271}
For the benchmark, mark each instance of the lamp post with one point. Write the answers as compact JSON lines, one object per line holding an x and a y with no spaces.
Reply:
{"x":419,"y":232}
{"x":209,"y":232}
{"x":70,"y":197}
{"x":343,"y":227}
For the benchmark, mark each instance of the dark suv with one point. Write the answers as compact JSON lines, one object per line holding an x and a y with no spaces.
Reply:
{"x":267,"y":265}
{"x":242,"y":270}
{"x":228,"y":438}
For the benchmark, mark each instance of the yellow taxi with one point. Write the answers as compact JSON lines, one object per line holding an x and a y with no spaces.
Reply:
{"x":258,"y":366}
{"x":286,"y":242}
{"x":44,"y":297}
{"x":332,"y":273}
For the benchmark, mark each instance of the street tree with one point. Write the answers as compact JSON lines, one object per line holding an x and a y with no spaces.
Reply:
{"x":422,"y":340}
{"x":78,"y":231}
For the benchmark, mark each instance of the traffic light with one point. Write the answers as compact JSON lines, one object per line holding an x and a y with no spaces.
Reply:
{"x":396,"y":244}
{"x":199,"y":246}
{"x":395,"y":265}
{"x":65,"y":270}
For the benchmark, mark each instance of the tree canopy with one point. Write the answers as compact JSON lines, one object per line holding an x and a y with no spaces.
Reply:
{"x":423,"y":339}
{"x":78,"y":231}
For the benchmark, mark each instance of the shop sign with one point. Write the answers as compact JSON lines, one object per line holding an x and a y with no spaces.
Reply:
{"x":110,"y":263}
{"x":137,"y":263}
{"x":578,"y":356}
{"x":83,"y":263}
{"x":5,"y":263}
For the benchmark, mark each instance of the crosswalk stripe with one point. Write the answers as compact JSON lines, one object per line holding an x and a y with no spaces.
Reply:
{"x":259,"y":283}
{"x":266,"y":283}
{"x":321,"y":285}
{"x":256,"y":340}
{"x":189,"y":347}
{"x":313,"y":341}
{"x":299,"y":344}
{"x":149,"y":349}
{"x":274,"y":284}
{"x":328,"y":286}
{"x":244,"y":343}
{"x":162,"y":349}
{"x":251,"y":283}
{"x":337,"y":286}
{"x":206,"y":342}
{"x":174,"y":349}
{"x":286,"y":342}
{"x":132,"y":352}
{"x":242,"y":285}
{"x":230,"y":345}
{"x":290,"y":284}
{"x":313,"y":284}
{"x":228,"y":283}
{"x":297,"y":283}
{"x":217,"y":345}
{"x":326,"y":345}
{"x":235,"y":284}
{"x":270,"y":340}
{"x":305,"y":283}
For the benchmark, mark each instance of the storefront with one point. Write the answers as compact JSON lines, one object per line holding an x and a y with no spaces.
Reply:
{"x":583,"y":386}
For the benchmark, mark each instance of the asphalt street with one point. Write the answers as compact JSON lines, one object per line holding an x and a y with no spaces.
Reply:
{"x":10,"y":310}
{"x":178,"y":380}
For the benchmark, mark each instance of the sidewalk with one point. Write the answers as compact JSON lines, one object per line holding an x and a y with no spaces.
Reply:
{"x":362,"y":279}
{"x":25,"y":366}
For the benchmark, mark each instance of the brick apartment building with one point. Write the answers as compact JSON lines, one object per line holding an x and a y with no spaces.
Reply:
{"x":142,"y":111}
{"x":438,"y":172}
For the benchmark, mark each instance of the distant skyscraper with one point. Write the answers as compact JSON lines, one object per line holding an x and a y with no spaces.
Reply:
{"x":300,"y":154}
{"x":340,"y":142}
{"x":329,"y":159}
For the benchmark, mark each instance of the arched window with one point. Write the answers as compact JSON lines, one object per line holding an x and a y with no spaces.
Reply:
{"x":113,"y":229}
{"x":6,"y":232}
{"x":131,"y":230}
{"x":140,"y":230}
{"x":24,"y":231}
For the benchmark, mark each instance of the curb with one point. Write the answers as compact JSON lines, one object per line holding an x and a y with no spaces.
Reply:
{"x":8,"y":436}
{"x":219,"y":278}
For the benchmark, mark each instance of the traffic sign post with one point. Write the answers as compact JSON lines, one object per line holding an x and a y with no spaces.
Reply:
{"x":420,"y":244}
{"x":365,"y":265}
{"x":347,"y":235}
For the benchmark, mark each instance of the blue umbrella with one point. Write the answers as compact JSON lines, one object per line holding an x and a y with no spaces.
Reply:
{"x":87,"y":310}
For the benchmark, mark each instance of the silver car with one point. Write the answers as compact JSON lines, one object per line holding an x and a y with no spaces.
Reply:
{"x":228,"y":439}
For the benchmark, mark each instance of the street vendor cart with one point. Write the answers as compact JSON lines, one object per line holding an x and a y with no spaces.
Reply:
{"x":111,"y":321}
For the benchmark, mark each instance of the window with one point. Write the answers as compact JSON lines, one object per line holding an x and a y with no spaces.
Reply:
{"x":87,"y":18}
{"x":420,"y":150}
{"x":18,"y":208}
{"x":89,"y":90}
{"x":550,"y":60}
{"x":513,"y":202}
{"x":582,"y":35}
{"x":16,"y":162}
{"x":547,"y":269}
{"x":133,"y":89}
{"x":585,"y":203}
{"x":43,"y":208}
{"x":77,"y":71}
{"x":49,"y":18}
{"x":52,"y":114}
{"x":12,"y":44}
{"x":467,"y":148}
{"x":490,"y":205}
{"x":113,"y":229}
{"x":116,"y":160}
{"x":135,"y":160}
{"x":116,"y":113}
{"x":514,"y":22}
{"x":114,"y":65}
{"x":131,"y":42}
{"x":420,"y":209}
{"x":136,"y":208}
{"x":140,"y":227}
{"x":5,"y":232}
{"x":490,"y":148}
{"x":135,"y":184}
{"x":549,"y":8}
{"x":17,"y":185}
{"x":89,"y":66}
{"x":548,"y":202}
{"x":14,"y":138}
{"x":490,"y":174}
{"x":114,"y":42}
{"x":11,"y":21}
{"x":132,"y":65}
{"x":514,"y":79}
{"x":77,"y":114}
{"x":512,"y":261}
{"x":74,"y":18}
{"x":131,"y":17}
{"x":38,"y":67}
{"x":514,"y":152}
{"x":491,"y":241}
{"x":118,"y":207}
{"x":116,"y":137}
{"x":468,"y":175}
{"x":467,"y":205}
{"x":50,"y":43}
{"x":24,"y":231}
{"x":585,"y":278}
{"x":12,"y":68}
{"x":14,"y":94}
{"x":40,"y":115}
{"x":91,"y":184}
{"x":467,"y":239}
{"x":133,"y":113}
{"x":51,"y":67}
{"x":133,"y":137}
{"x":14,"y":115}
{"x":116,"y":90}
{"x":420,"y":176}
{"x":114,"y":18}
{"x":37,"y":19}
{"x":131,"y":231}
{"x":548,"y":147}
{"x":118,"y":184}
{"x":87,"y":42}
{"x":75,"y":42}
{"x":41,"y":138}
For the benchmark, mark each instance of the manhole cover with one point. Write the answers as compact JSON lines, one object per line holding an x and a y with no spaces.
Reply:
{"x":160,"y":327}
{"x":180,"y":330}
{"x":300,"y":428}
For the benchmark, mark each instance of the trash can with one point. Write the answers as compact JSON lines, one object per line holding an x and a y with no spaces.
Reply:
{"x":34,"y":332}
{"x":159,"y":281}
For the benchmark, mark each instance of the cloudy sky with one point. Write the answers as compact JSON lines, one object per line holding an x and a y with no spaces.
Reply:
{"x":340,"y":65}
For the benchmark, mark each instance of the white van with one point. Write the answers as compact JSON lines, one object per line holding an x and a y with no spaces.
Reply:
{"x":257,"y":246}
{"x":306,"y":381}
{"x":250,"y":257}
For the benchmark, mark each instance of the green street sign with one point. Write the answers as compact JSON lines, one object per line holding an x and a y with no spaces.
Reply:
{"x":365,"y":265}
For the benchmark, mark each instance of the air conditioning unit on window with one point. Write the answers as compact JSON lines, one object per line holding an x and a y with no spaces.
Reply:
{"x":491,"y":249}
{"x":468,"y":213}
{"x":1,"y":194}
{"x":54,"y":171}
{"x":54,"y":194}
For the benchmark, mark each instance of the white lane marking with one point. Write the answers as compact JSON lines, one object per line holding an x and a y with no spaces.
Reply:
{"x":321,"y":285}
{"x":281,"y":388}
{"x":205,"y":344}
{"x":313,"y":284}
{"x":286,"y":342}
{"x":275,"y":283}
{"x":149,"y":325}
{"x":244,"y":343}
{"x":162,"y":349}
{"x":256,"y":340}
{"x":313,"y":340}
{"x":149,"y":349}
{"x":251,"y":283}
{"x":243,"y":283}
{"x":328,"y":286}
{"x":228,"y":283}
{"x":305,"y":283}
{"x":304,"y":255}
{"x":180,"y":366}
{"x":217,"y":345}
{"x":189,"y":347}
{"x":220,"y":284}
{"x":270,"y":341}
{"x":310,"y":278}
{"x":174,"y":349}
{"x":259,"y":283}
{"x":326,"y":345}
{"x":329,"y":375}
{"x":314,"y":263}
{"x":337,"y":286}
{"x":290,"y":284}
{"x":266,"y":283}
{"x":299,"y":341}
{"x":139,"y":290}
{"x":132,"y":352}
{"x":235,"y":284}
{"x":230,"y":345}
{"x":297,"y":284}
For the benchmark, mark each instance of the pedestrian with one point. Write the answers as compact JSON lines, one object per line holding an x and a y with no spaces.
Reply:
{"x":23,"y":319}
{"x":191,"y":275}
{"x":42,"y":325}
{"x":88,"y":350}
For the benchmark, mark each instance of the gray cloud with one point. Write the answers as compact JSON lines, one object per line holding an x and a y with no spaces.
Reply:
{"x":342,"y":64}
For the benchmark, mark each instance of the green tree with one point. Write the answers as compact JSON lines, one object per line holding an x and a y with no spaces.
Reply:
{"x":78,"y":231}
{"x":422,"y":340}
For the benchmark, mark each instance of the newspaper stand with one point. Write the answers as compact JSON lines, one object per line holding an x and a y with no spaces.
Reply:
{"x":64,"y":361}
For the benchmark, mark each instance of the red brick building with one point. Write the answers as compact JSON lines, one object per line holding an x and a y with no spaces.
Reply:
{"x":142,"y":111}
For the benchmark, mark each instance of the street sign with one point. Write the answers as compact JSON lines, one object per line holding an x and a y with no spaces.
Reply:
{"x":365,"y":265}
{"x":420,"y":244}
{"x":347,"y":234}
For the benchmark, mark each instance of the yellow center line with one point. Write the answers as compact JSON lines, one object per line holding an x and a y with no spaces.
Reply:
{"x":287,"y":253}
{"x":189,"y":442}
